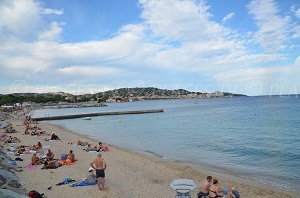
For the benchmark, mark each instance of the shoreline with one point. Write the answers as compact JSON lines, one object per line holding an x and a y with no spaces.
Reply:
{"x":130,"y":173}
{"x":197,"y":168}
{"x":203,"y":170}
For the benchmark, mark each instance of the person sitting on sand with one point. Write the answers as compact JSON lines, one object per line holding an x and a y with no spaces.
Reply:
{"x":214,"y":190}
{"x":39,"y":146}
{"x":205,"y":187}
{"x":49,"y":155}
{"x":71,"y":157}
{"x":91,"y":177}
{"x":99,"y":165}
{"x":35,"y":160}
{"x":54,"y":136}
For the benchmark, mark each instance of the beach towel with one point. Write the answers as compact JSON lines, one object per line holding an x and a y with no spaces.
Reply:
{"x":106,"y":148}
{"x":65,"y":181}
{"x":67,"y":162}
{"x":82,"y":184}
{"x":92,"y":152}
{"x":30,"y":166}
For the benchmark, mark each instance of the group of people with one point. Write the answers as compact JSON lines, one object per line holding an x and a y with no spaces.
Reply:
{"x":9,"y":139}
{"x":210,"y":189}
{"x":96,"y":148}
{"x":10,"y":129}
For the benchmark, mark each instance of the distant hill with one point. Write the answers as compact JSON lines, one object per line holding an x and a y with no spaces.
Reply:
{"x":116,"y":95}
{"x":151,"y":93}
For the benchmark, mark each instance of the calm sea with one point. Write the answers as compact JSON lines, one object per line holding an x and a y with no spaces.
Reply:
{"x":254,"y":138}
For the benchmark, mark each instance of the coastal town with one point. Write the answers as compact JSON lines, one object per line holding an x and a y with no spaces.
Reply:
{"x":66,"y":100}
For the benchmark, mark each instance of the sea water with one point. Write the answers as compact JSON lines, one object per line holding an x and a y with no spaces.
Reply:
{"x":254,"y":138}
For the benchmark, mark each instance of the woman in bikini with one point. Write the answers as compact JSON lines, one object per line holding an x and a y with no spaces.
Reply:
{"x":214,"y":191}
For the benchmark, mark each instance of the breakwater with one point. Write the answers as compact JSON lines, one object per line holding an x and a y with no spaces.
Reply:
{"x":97,"y":114}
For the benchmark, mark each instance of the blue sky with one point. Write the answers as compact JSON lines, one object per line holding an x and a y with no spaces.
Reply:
{"x":241,"y":46}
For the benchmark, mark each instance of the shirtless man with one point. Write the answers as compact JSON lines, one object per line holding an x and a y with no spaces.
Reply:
{"x":205,"y":187}
{"x":49,"y":155}
{"x":99,"y":165}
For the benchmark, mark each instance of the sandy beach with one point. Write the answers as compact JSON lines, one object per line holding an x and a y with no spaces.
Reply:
{"x":128,"y":174}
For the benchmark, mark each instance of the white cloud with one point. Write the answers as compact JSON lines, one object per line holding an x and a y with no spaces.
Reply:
{"x":174,"y":36}
{"x":228,"y":16}
{"x":181,"y":20}
{"x":297,"y":61}
{"x":89,"y":71}
{"x":19,"y":18}
{"x":52,"y":33}
{"x":52,"y":11}
{"x":273,"y":28}
{"x":295,"y":11}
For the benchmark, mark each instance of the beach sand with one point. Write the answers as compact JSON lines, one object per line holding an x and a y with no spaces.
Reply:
{"x":128,"y":174}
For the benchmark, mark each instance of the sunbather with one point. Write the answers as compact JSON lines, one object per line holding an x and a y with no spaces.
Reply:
{"x":39,"y":146}
{"x":35,"y":160}
{"x":54,"y":137}
{"x":52,"y":164}
{"x":214,"y":190}
{"x":91,"y":148}
{"x":91,"y":176}
{"x":70,"y":157}
{"x":205,"y":187}
{"x":81,"y":143}
{"x":49,"y":155}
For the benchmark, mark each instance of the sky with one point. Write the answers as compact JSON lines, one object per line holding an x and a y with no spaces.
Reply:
{"x":250,"y":47}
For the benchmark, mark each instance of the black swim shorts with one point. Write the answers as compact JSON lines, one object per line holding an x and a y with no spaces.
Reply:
{"x":100,"y":173}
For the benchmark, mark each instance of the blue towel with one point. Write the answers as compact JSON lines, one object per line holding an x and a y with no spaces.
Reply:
{"x":81,"y":184}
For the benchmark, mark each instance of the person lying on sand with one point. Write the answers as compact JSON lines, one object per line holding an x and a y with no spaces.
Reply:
{"x":11,"y":139}
{"x":35,"y":160}
{"x":81,"y":143}
{"x":90,"y":148}
{"x":233,"y":193}
{"x":52,"y":164}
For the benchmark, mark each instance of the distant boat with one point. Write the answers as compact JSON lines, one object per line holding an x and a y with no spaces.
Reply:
{"x":87,"y":118}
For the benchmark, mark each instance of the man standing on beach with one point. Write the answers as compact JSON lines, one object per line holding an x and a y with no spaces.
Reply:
{"x":99,"y":165}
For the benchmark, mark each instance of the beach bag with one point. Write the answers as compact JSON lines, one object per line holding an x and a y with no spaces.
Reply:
{"x":64,"y":156}
{"x":35,"y":194}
